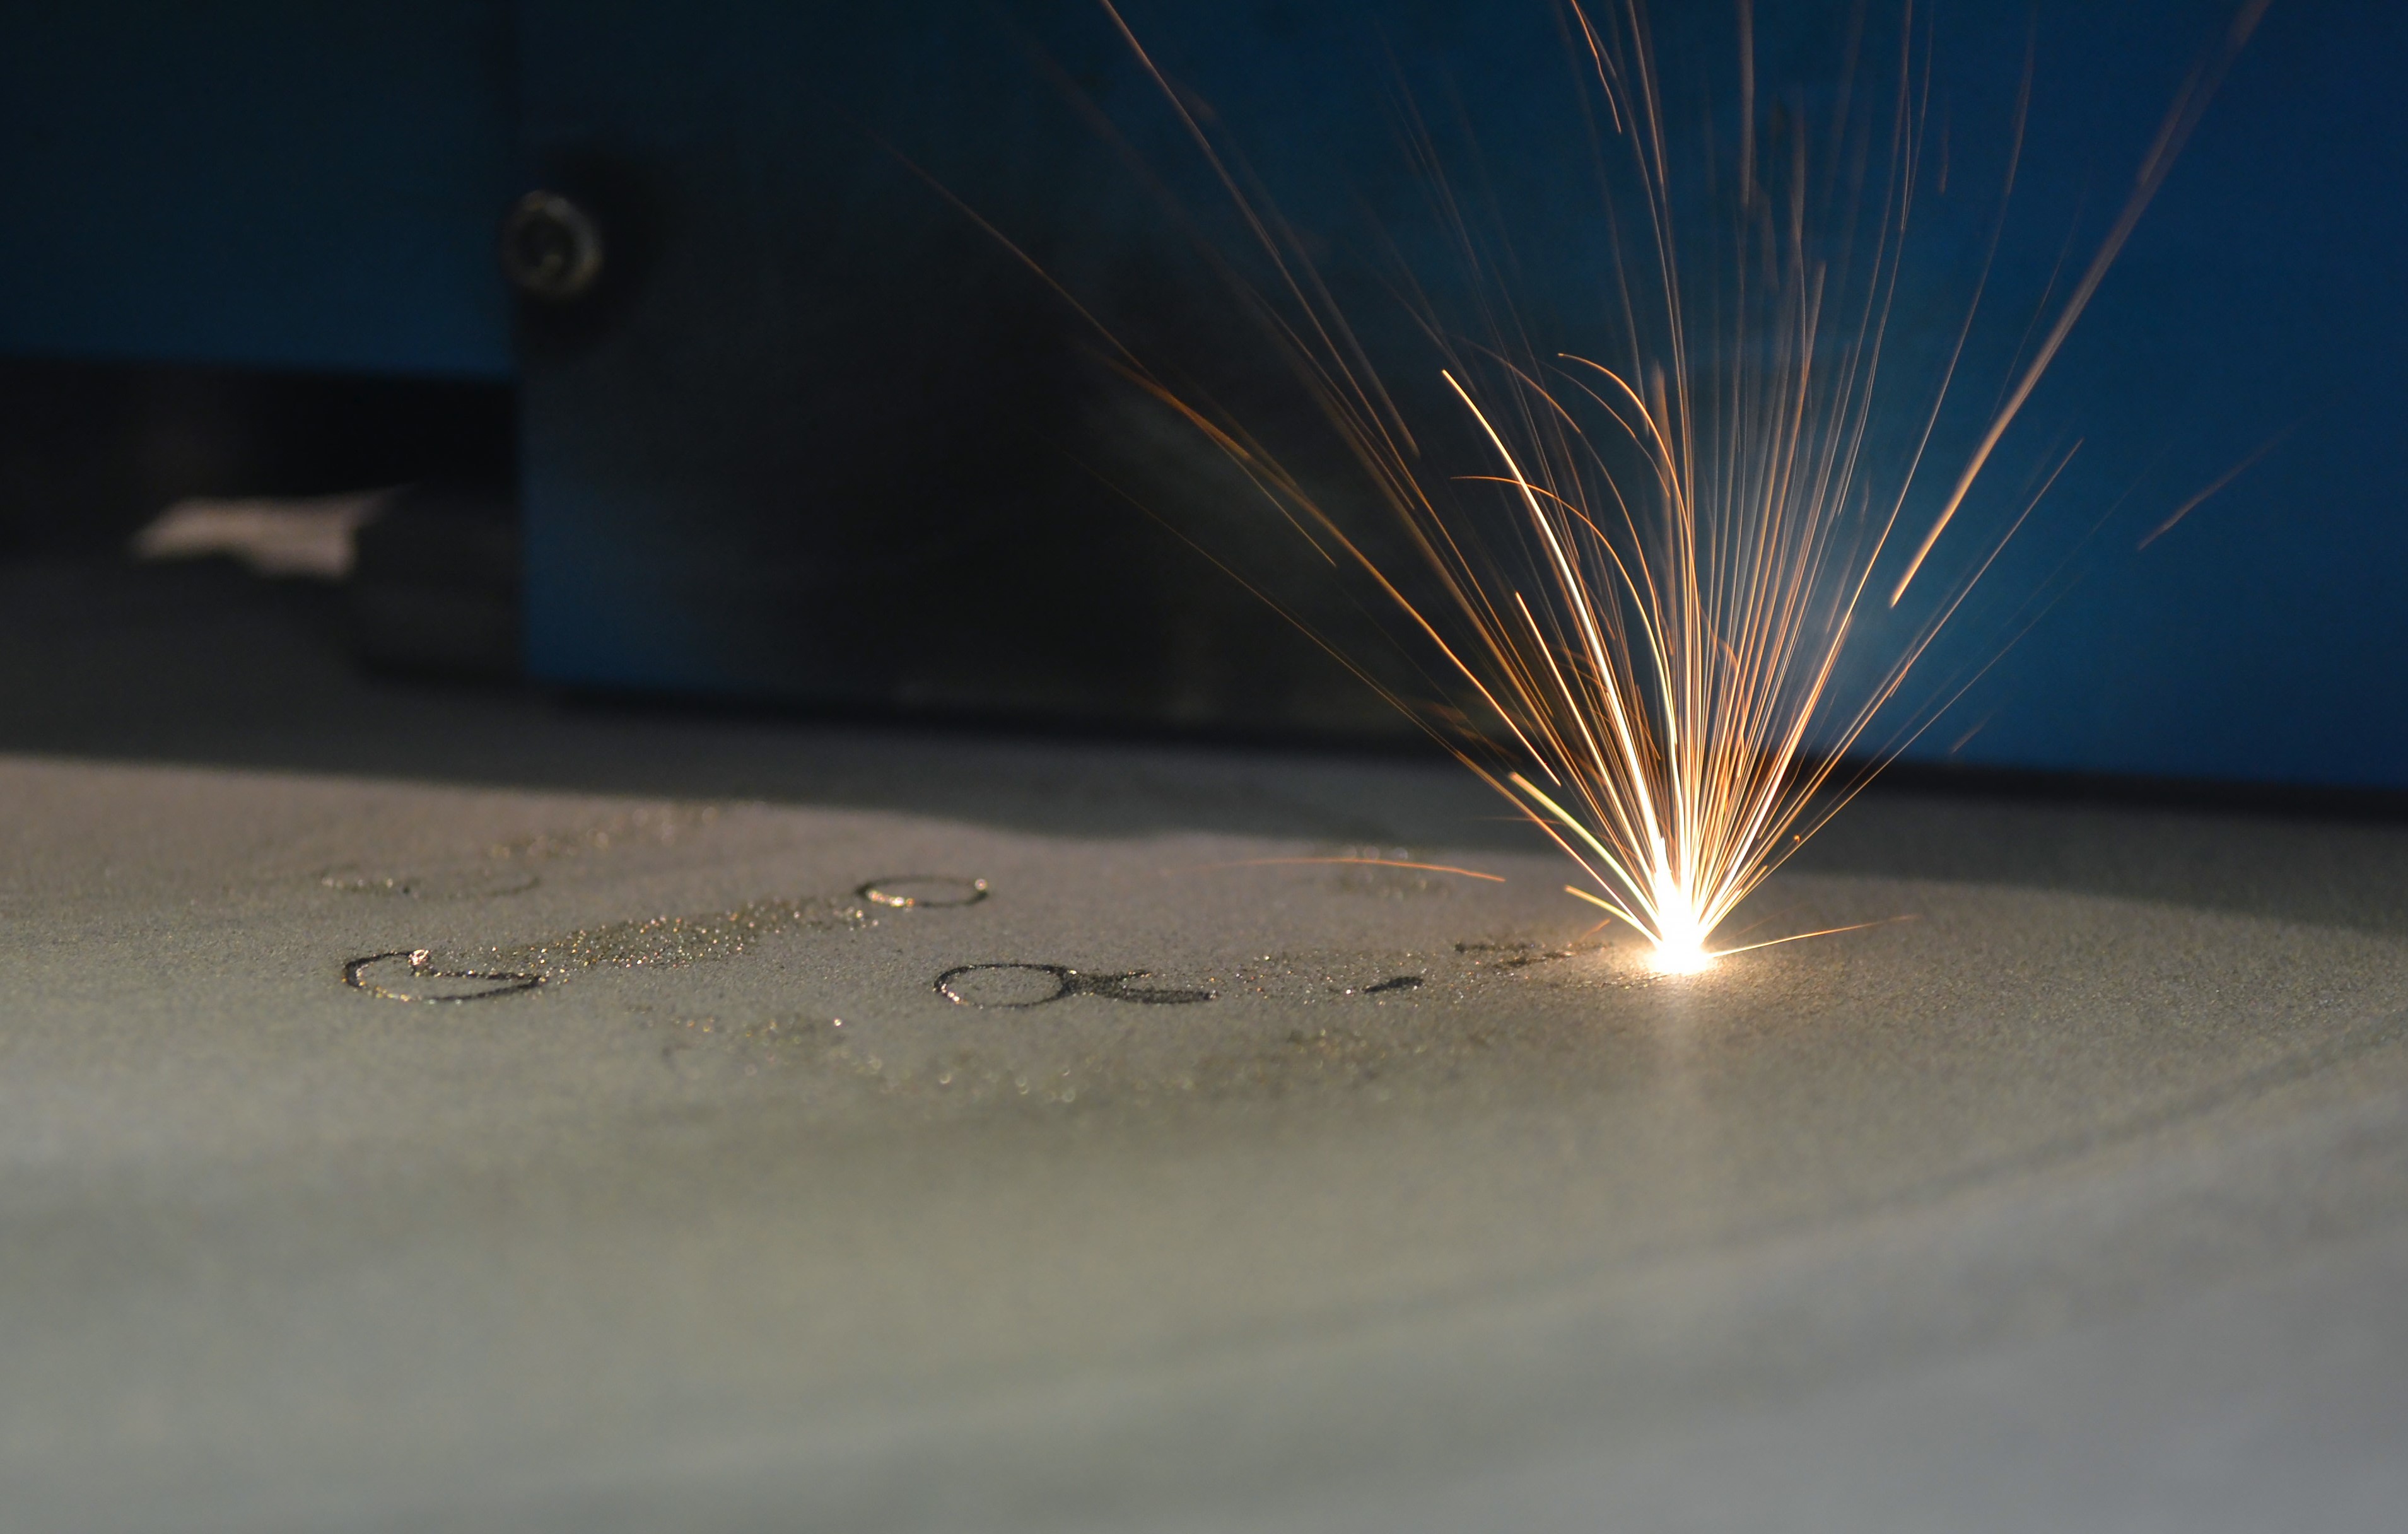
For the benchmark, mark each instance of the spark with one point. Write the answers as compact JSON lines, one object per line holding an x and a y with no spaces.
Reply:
{"x":1686,"y":954}
{"x":2222,"y":480}
{"x":1367,"y":862}
{"x":1967,"y":738}
{"x":1648,"y":663}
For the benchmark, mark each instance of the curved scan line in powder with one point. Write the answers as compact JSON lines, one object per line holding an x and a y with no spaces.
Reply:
{"x":1002,"y":986}
{"x":439,"y":882}
{"x":933,"y":891}
{"x":410,"y":975}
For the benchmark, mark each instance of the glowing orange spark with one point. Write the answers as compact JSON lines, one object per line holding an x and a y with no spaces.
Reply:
{"x":2236,"y":471}
{"x":1370,"y":862}
{"x":2188,"y":107}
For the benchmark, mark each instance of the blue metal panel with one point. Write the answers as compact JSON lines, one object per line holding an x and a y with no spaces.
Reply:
{"x":809,"y":439}
{"x":274,"y":182}
{"x":2265,"y":637}
{"x":290,"y":184}
{"x":714,"y":464}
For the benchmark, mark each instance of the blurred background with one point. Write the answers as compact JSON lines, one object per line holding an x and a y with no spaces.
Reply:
{"x":631,"y":351}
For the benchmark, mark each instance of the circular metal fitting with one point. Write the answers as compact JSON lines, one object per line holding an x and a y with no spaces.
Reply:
{"x":550,"y":247}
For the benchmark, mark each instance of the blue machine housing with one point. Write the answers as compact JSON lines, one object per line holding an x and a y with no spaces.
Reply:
{"x":818,"y":439}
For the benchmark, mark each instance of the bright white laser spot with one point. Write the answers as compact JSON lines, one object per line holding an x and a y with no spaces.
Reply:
{"x":1680,"y":958}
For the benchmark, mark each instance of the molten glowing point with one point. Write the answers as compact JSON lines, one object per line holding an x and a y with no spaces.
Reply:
{"x":1680,"y":931}
{"x":1682,"y":958}
{"x":1676,"y":931}
{"x":1680,"y":938}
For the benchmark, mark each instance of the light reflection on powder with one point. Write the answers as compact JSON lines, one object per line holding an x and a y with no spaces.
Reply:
{"x":669,"y":941}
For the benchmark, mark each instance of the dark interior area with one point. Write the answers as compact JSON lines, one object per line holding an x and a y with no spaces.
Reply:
{"x":91,"y":451}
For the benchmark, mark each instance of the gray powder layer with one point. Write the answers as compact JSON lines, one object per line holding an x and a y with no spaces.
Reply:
{"x":376,"y":1154}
